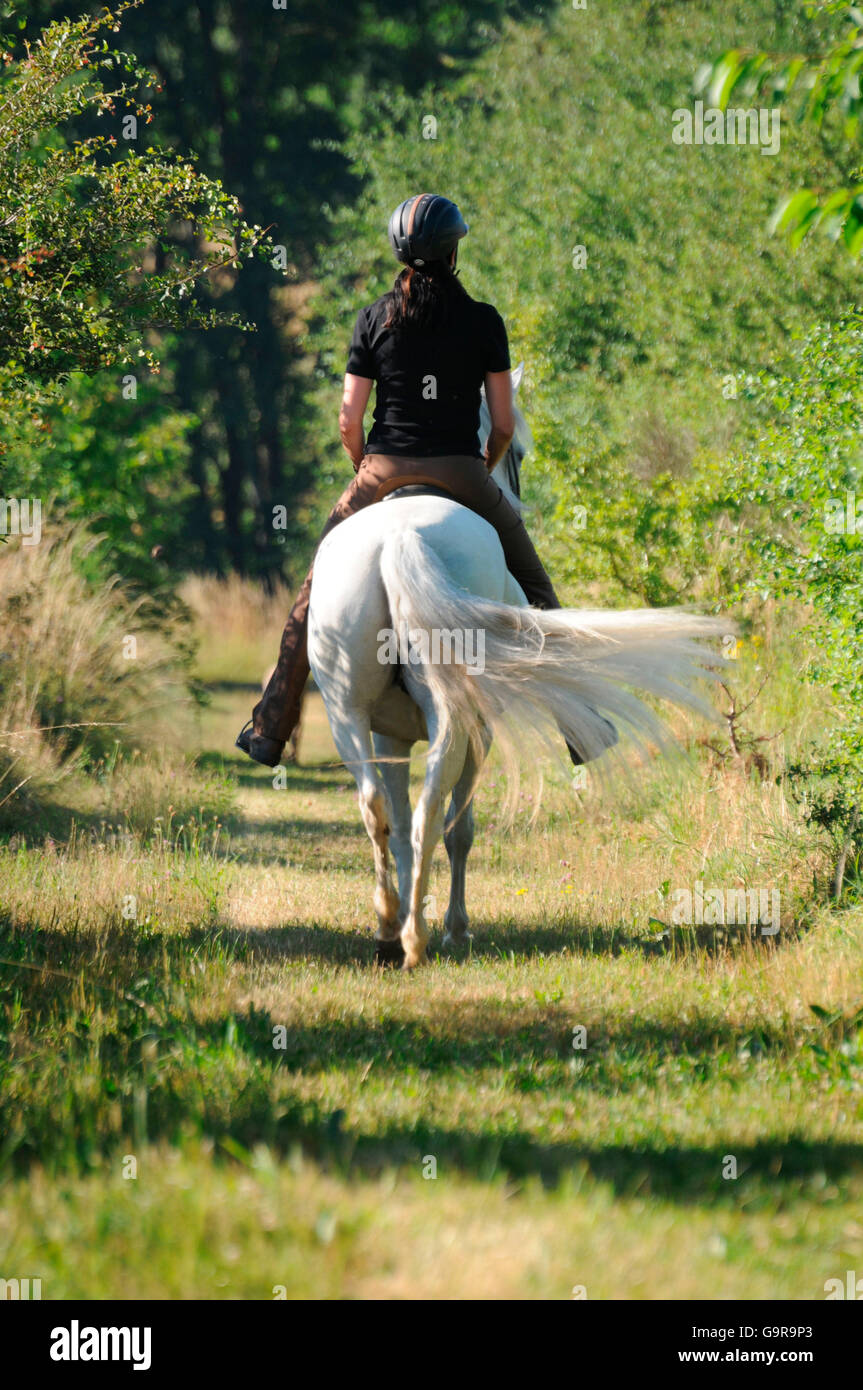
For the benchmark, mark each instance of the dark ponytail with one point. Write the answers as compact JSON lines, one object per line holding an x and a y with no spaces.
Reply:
{"x":422,"y":295}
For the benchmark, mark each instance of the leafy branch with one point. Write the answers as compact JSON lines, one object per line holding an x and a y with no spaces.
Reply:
{"x":813,"y":86}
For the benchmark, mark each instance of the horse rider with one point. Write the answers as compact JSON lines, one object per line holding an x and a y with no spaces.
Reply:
{"x":429,"y":348}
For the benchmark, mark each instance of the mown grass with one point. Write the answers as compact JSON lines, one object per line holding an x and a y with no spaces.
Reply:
{"x":302,"y":1165}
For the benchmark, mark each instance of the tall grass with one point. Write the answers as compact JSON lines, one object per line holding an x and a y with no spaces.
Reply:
{"x":239,"y":624}
{"x":92,"y":687}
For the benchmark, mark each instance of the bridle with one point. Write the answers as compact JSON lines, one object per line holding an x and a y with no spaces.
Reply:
{"x":512,"y":472}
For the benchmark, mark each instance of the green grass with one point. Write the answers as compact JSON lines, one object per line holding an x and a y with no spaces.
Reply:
{"x":189,"y":1227}
{"x":163,"y":918}
{"x":302,"y":1167}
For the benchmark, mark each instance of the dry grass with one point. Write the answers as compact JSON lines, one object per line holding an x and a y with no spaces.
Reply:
{"x":83,"y":673}
{"x":239,"y":624}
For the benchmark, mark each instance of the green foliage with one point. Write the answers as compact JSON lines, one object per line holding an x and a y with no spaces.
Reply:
{"x":631,"y":362}
{"x":265,"y":97}
{"x":827,"y":789}
{"x":804,"y":475}
{"x":820,"y":86}
{"x":85,"y":267}
{"x":120,"y":466}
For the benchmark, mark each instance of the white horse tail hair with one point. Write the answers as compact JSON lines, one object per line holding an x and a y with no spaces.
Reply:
{"x":515,"y":670}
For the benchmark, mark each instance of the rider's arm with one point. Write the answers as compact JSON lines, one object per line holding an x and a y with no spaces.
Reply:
{"x":498,"y":394}
{"x":355,"y":398}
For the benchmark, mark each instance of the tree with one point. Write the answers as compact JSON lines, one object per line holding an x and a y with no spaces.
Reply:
{"x":86,"y":270}
{"x":804,"y":479}
{"x":816,"y":86}
{"x":266,"y":93}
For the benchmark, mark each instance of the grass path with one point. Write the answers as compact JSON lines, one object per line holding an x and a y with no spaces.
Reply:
{"x":443,"y":1134}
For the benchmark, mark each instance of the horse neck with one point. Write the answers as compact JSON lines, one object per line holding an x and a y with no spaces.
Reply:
{"x":499,"y":472}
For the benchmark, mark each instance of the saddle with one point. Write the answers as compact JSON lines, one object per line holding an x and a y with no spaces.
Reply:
{"x":412,"y":487}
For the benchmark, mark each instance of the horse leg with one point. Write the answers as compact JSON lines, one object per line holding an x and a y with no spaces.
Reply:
{"x":396,"y":779}
{"x":442,"y":771}
{"x":353,"y":739}
{"x":458,"y":838}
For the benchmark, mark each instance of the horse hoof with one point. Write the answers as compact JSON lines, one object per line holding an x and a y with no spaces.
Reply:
{"x":414,"y":959}
{"x":389,"y":954}
{"x":458,"y":943}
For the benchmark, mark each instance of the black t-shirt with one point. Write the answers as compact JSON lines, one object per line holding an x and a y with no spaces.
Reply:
{"x":428,"y":379}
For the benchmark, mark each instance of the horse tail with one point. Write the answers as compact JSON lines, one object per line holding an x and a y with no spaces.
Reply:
{"x":549,"y":672}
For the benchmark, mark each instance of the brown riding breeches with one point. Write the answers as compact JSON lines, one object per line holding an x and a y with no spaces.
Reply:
{"x":467,"y":478}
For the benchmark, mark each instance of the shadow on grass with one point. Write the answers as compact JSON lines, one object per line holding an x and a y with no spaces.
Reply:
{"x":249,"y":774}
{"x":510,"y":941}
{"x":316,"y":843}
{"x":220,"y":687}
{"x":768,"y":1174}
{"x":93,"y":1001}
{"x":55,"y":821}
{"x":249,"y":1109}
{"x":223,"y":687}
{"x":317,"y":944}
{"x":155,"y":968}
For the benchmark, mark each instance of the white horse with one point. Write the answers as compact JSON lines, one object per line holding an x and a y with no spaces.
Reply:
{"x":423,"y":578}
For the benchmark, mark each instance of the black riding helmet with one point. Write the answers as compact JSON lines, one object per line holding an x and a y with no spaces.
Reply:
{"x":426,"y":228}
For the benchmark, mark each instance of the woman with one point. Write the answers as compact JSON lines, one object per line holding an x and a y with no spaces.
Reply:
{"x":429,"y":347}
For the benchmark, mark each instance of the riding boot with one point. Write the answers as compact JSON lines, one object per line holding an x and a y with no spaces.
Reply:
{"x":277,"y":713}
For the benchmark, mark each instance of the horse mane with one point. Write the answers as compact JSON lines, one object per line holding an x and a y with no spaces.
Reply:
{"x":507,"y":472}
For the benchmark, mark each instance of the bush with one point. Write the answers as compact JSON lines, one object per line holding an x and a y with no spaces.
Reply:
{"x":805,"y":477}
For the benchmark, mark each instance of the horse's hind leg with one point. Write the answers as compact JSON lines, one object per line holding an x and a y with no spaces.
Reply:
{"x":396,"y":775}
{"x":458,"y":838}
{"x":354,"y":743}
{"x":442,"y":770}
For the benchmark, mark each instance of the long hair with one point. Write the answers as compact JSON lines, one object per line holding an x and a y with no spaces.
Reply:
{"x":422,"y":295}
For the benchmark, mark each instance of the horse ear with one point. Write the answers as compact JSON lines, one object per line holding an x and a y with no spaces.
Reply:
{"x":517,"y":373}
